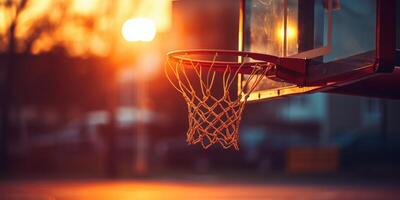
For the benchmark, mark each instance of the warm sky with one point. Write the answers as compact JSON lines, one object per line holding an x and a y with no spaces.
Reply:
{"x":81,"y":26}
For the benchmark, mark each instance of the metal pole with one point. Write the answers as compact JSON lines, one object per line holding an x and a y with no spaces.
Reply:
{"x":141,"y":166}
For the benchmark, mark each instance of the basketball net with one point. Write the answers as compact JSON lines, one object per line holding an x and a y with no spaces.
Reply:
{"x":213,"y":118}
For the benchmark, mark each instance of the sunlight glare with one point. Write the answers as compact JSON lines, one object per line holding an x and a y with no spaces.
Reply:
{"x":139,"y":29}
{"x":291,"y":33}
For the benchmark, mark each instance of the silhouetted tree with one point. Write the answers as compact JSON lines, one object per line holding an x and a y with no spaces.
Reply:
{"x":6,"y":80}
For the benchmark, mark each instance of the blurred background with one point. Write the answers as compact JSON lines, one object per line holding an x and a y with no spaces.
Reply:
{"x":84,"y":96}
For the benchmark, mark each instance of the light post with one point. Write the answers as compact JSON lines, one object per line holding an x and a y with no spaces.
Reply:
{"x":140,"y":30}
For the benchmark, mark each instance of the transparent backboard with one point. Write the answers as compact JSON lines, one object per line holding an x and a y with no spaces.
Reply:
{"x":336,"y":36}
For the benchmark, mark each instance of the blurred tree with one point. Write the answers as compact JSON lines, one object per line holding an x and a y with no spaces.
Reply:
{"x":81,"y":28}
{"x":68,"y":27}
{"x":14,"y":9}
{"x":31,"y":26}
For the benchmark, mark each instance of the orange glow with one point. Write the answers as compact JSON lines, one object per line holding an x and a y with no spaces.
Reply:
{"x":3,"y":20}
{"x":139,"y":29}
{"x":157,"y":10}
{"x":85,"y":7}
{"x":291,"y":32}
{"x":183,"y":190}
{"x":81,"y":27}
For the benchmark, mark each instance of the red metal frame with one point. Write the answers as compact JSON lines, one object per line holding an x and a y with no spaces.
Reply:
{"x":385,"y":58}
{"x":296,"y":65}
{"x":386,"y":35}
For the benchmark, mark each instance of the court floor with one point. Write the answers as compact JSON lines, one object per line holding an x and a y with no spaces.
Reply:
{"x":155,"y":190}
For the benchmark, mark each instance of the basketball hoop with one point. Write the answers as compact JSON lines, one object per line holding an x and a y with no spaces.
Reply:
{"x":215,"y":118}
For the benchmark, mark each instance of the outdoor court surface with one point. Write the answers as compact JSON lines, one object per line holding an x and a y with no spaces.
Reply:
{"x":99,"y":190}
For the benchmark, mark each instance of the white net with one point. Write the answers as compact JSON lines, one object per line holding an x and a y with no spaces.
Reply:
{"x":213,"y":118}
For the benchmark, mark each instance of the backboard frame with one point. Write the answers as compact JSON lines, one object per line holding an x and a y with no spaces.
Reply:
{"x":310,"y":80}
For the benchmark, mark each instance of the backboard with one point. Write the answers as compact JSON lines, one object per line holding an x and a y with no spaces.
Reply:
{"x":342,"y":41}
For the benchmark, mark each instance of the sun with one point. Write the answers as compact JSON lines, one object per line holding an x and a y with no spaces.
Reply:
{"x":139,"y":30}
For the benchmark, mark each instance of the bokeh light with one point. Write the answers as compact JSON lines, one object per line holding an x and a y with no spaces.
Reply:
{"x":139,"y":29}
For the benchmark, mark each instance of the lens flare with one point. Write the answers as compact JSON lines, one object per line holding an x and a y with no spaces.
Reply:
{"x":291,"y":32}
{"x":139,"y":29}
